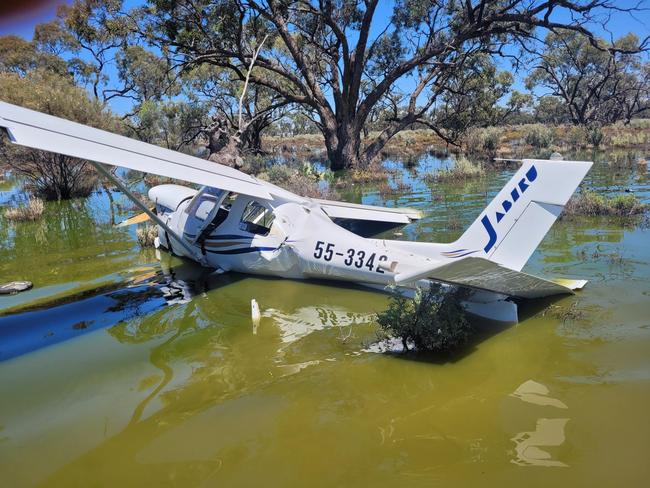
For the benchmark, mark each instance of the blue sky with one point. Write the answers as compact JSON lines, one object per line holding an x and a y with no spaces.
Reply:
{"x":617,"y":26}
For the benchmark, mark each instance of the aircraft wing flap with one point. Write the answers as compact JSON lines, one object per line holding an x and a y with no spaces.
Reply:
{"x":48,"y":133}
{"x":486,"y":275}
{"x":344,"y":210}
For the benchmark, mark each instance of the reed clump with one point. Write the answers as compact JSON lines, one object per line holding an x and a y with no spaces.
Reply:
{"x":147,"y":235}
{"x":463,"y":169}
{"x":33,"y":210}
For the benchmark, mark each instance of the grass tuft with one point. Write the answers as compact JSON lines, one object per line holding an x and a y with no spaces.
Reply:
{"x":462,"y":170}
{"x":32,"y":211}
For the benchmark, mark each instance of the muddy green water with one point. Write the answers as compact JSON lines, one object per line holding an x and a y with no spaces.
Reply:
{"x":132,"y":388}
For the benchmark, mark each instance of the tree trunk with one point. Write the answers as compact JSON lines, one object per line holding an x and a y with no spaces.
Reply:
{"x":343,"y":147}
{"x":251,"y":139}
{"x":223,"y":146}
{"x":227,"y":154}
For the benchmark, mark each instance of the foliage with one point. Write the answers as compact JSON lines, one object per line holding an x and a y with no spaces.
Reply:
{"x":32,"y":211}
{"x":483,"y":141}
{"x":538,"y":136}
{"x":433,"y":321}
{"x":472,"y":99}
{"x":220,"y":73}
{"x":333,"y":60}
{"x":172,"y":124}
{"x":591,"y":203}
{"x":375,"y":173}
{"x":53,"y":176}
{"x":20,"y":57}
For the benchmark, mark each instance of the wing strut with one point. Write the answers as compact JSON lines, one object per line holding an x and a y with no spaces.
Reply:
{"x":182,"y":242}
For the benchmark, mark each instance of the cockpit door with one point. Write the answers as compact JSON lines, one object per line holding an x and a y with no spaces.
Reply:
{"x":203,"y":209}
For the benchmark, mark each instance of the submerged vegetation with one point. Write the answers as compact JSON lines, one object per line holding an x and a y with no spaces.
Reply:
{"x":590,"y":203}
{"x":33,"y":210}
{"x":433,"y":321}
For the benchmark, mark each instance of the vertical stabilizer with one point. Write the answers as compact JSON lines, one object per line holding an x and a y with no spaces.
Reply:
{"x":511,"y":227}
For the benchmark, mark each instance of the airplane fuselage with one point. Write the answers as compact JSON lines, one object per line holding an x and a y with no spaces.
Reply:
{"x":300,"y":242}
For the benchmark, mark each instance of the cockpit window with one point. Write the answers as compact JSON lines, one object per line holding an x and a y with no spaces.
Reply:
{"x":256,"y":219}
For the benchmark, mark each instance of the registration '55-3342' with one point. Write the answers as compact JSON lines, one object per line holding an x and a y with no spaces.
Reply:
{"x":357,"y":258}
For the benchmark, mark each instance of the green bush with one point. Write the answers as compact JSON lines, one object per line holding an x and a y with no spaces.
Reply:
{"x":595,"y":135}
{"x":432,"y":321}
{"x":302,"y":180}
{"x":484,"y":141}
{"x":538,"y":135}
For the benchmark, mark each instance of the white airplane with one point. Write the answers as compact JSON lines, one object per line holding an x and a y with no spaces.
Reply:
{"x":236,"y":222}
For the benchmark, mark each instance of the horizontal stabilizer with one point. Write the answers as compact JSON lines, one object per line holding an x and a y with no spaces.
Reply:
{"x":136,"y":219}
{"x":486,"y":275}
{"x":45,"y":132}
{"x":354,"y":211}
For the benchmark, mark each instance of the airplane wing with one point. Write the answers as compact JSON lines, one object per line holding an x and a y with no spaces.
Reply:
{"x":353,"y":211}
{"x":482,"y":274}
{"x":48,"y":133}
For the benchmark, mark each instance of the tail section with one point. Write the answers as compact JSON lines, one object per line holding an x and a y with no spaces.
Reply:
{"x":511,"y":227}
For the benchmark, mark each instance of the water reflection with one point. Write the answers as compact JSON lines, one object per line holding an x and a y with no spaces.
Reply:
{"x":533,"y":392}
{"x":25,"y":332}
{"x":549,"y":432}
{"x":305,"y":320}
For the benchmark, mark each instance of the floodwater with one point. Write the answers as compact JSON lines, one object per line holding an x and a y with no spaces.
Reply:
{"x":120,"y":369}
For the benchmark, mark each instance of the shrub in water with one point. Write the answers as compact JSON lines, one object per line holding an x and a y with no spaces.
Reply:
{"x":302,"y":180}
{"x":595,"y":135}
{"x":591,"y":203}
{"x":432,"y":321}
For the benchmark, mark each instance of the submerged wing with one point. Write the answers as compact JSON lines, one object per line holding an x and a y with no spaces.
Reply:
{"x":353,"y":211}
{"x":40,"y":131}
{"x":486,"y":275}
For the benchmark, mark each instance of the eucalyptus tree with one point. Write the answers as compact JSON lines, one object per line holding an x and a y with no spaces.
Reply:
{"x":340,"y":59}
{"x":21,"y":57}
{"x":474,"y":97}
{"x":105,"y":49}
{"x":238,"y":112}
{"x":593,"y":83}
